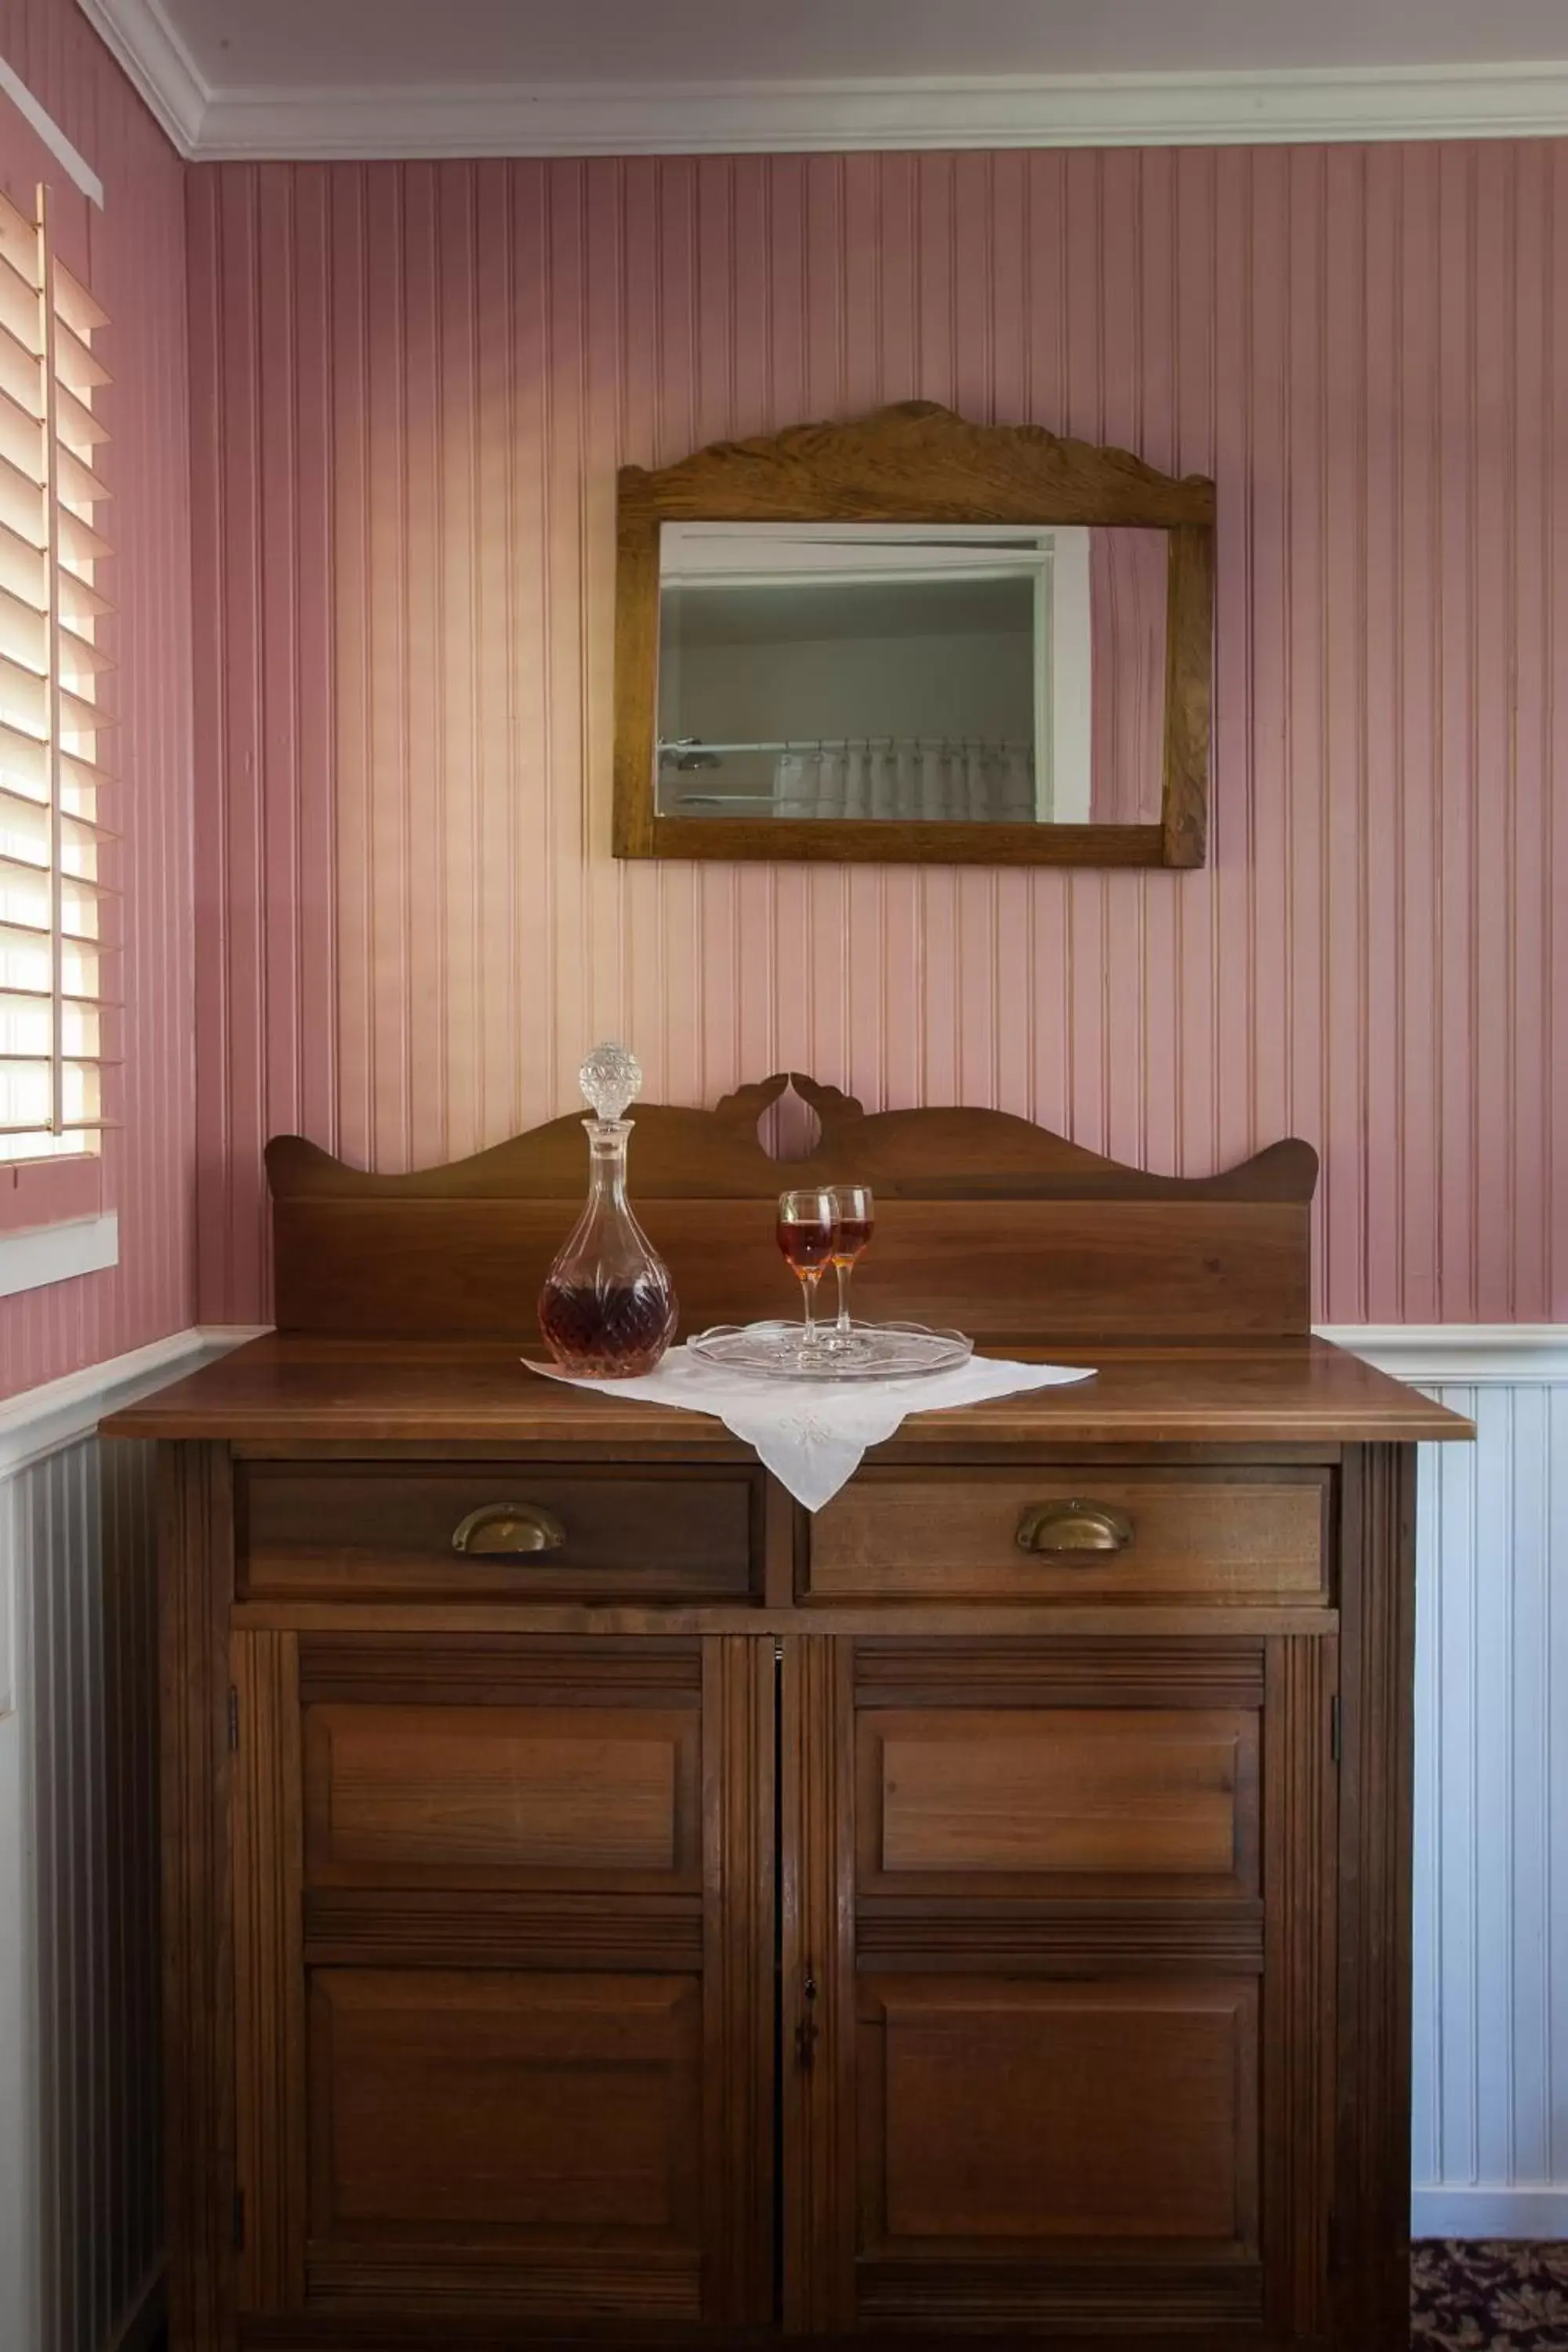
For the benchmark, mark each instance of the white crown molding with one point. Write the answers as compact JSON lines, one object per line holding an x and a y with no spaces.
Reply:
{"x":1151,"y":109}
{"x":41,"y":1420}
{"x":1467,"y":1355}
{"x":158,"y":62}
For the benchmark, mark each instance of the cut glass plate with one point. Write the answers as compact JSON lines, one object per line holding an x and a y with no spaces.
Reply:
{"x":873,"y":1352}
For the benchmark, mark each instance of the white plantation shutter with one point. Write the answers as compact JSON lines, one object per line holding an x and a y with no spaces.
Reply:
{"x":58,"y":945}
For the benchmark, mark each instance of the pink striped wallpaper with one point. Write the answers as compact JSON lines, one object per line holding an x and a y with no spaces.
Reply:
{"x":137,"y":262}
{"x":412,"y":385}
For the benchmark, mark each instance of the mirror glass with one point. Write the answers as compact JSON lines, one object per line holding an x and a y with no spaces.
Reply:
{"x":908,"y":672}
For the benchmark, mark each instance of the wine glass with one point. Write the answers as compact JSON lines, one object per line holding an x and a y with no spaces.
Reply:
{"x":853,"y":1211}
{"x":805,"y":1233}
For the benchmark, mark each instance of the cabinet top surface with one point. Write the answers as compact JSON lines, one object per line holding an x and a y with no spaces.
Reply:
{"x":288,"y":1391}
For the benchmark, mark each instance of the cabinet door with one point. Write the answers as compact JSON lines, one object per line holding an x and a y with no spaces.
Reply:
{"x":1059,"y":1984}
{"x":504,"y":1979}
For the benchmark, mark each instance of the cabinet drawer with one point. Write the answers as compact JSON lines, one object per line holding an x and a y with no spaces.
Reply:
{"x":496,"y":1531}
{"x":1069,"y":1534}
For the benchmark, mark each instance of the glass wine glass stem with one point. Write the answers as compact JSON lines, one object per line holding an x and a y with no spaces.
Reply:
{"x":842,"y":1270}
{"x":808,"y":1283}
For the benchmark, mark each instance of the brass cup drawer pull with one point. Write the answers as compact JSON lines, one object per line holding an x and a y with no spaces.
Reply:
{"x":1073,"y":1528}
{"x":509,"y":1526}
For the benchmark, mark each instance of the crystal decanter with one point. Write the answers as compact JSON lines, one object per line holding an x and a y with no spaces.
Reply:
{"x":608,"y":1307}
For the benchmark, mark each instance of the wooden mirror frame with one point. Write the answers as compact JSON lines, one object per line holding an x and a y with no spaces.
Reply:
{"x":916,"y":463}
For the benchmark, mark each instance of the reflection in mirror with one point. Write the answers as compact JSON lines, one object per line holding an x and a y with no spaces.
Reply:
{"x":909,"y":671}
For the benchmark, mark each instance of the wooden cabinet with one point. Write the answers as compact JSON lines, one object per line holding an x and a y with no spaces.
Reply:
{"x":602,"y":1901}
{"x":503,"y":1919}
{"x":1071,"y":1903}
{"x":796,"y":1966}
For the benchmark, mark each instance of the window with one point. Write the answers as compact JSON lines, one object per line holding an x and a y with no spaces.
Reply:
{"x":57,"y":941}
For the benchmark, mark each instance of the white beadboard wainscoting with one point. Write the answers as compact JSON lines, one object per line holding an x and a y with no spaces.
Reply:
{"x":1490,"y":2124}
{"x":79,"y":2249}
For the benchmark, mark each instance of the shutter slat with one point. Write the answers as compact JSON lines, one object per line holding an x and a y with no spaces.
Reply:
{"x":80,"y":600}
{"x":19,"y":309}
{"x":19,"y":812}
{"x":79,"y":543}
{"x":79,"y":657}
{"x":24,"y":756}
{"x":21,"y":438}
{"x":47,"y":996}
{"x":22,"y":506}
{"x":28,"y":935}
{"x":79,"y":717}
{"x":18,"y":236}
{"x":75,"y":305}
{"x":24,"y":699}
{"x":75,"y":423}
{"x":24,"y":632}
{"x":70,"y":881}
{"x":22,"y":378}
{"x":78,"y":482}
{"x":16,"y":808}
{"x":23,"y":569}
{"x":75,"y":364}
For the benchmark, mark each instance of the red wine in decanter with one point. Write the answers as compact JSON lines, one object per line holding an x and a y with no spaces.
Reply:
{"x":611,"y":1330}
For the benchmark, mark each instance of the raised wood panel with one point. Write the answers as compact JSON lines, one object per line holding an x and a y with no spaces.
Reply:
{"x":1098,"y":1800}
{"x":1029,"y":1269}
{"x":504,"y":2114}
{"x":1110,"y":2119}
{"x":945,"y":1535}
{"x":371,"y":1531}
{"x":505,"y":1979}
{"x":444,"y":1795}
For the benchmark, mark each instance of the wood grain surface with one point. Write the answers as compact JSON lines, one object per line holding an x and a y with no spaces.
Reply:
{"x":299,"y":1394}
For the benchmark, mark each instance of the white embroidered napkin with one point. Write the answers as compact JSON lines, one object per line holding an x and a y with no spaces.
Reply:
{"x":812,"y":1434}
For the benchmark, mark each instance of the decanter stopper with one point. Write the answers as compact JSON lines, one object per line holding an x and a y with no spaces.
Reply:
{"x":608,"y":1308}
{"x":611,"y":1078}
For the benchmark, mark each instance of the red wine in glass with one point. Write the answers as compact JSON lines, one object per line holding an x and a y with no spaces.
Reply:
{"x":805,"y":1234}
{"x":807,"y":1248}
{"x":854,"y":1213}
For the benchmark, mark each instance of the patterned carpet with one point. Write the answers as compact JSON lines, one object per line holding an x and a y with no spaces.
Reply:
{"x":1485,"y":2295}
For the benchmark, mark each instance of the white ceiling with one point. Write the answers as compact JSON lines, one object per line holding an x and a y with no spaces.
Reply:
{"x":463,"y":76}
{"x":309,"y":44}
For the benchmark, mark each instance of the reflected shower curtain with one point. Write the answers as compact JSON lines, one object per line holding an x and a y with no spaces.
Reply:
{"x":910,"y":782}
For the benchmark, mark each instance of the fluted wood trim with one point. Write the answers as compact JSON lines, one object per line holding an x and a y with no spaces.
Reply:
{"x":816,"y":1752}
{"x":269,"y":2021}
{"x":1298,"y":1948}
{"x":738,"y":1976}
{"x":1373,"y":2124}
{"x":196,"y":1582}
